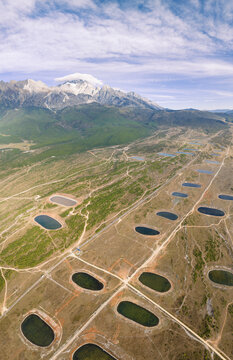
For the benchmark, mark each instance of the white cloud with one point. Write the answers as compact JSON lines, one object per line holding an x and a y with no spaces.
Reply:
{"x":223,"y":93}
{"x":78,"y":76}
{"x":124,"y":48}
{"x":76,"y":4}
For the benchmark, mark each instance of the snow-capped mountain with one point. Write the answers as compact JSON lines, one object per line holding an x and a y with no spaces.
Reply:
{"x":71,"y":93}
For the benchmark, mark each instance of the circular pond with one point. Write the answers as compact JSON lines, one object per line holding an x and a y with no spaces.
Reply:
{"x":86,"y":281}
{"x":210,"y":211}
{"x":155,"y":282}
{"x":225,"y":197}
{"x":137,"y":313}
{"x":179,"y":194}
{"x":91,"y":352}
{"x":192,"y":185}
{"x":37,"y":331}
{"x":47,"y":222}
{"x":143,"y":230}
{"x":167,"y":215}
{"x":221,"y":277}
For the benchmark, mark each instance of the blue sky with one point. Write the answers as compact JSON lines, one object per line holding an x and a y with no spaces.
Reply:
{"x":178,"y":53}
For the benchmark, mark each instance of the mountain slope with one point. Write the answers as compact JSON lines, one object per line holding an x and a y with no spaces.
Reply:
{"x":104,"y":124}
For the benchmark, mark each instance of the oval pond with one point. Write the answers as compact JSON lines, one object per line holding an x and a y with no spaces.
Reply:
{"x":179,"y":194}
{"x":165,"y":154}
{"x":155,"y":282}
{"x":138,"y":158}
{"x":143,"y":230}
{"x":87,"y":281}
{"x":210,"y":211}
{"x":212,"y":162}
{"x":62,"y":200}
{"x":184,"y":152}
{"x":225,"y":197}
{"x":137,"y":313}
{"x":47,"y":222}
{"x":209,"y":172}
{"x":192,"y":185}
{"x":37,"y":331}
{"x":221,"y":277}
{"x":91,"y":352}
{"x":167,"y":215}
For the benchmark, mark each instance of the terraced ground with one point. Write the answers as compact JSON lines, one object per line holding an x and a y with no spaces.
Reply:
{"x":115,"y":193}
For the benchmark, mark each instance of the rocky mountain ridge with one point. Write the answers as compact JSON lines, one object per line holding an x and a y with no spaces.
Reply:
{"x":16,"y":94}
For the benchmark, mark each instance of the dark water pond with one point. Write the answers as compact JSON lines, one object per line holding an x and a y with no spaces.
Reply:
{"x":91,"y":352}
{"x":214,"y":154}
{"x":179,"y":194}
{"x":222,"y":277}
{"x":146,"y":231}
{"x":167,"y":215}
{"x":87,"y":281}
{"x":37,"y":331}
{"x":225,"y":197}
{"x":155,"y":282}
{"x":48,"y":222}
{"x":210,"y":211}
{"x":187,"y":184}
{"x":137,"y":313}
{"x":62,"y":200}
{"x":205,"y":171}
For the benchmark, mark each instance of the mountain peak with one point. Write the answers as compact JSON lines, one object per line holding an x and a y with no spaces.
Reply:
{"x":77,"y":87}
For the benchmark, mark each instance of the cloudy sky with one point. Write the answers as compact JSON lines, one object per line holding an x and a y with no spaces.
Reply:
{"x":176,"y":52}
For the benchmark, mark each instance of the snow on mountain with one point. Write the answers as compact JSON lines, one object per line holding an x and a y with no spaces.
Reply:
{"x":77,"y":87}
{"x":35,"y":86}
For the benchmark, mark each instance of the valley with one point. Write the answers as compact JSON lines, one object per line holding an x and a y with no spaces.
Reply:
{"x":129,"y":272}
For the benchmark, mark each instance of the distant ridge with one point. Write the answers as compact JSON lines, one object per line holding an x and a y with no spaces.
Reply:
{"x":223,"y":111}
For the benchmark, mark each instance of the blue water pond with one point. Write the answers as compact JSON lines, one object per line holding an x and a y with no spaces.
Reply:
{"x":165,"y":154}
{"x":225,"y":197}
{"x":48,"y":222}
{"x":210,"y":211}
{"x":192,"y":185}
{"x":167,"y":215}
{"x":209,"y":172}
{"x":179,"y":194}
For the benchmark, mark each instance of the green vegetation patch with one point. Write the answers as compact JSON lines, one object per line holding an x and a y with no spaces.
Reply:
{"x":208,"y":323}
{"x":198,"y":268}
{"x":2,"y":283}
{"x":230,"y":309}
{"x":29,"y":250}
{"x":212,"y":246}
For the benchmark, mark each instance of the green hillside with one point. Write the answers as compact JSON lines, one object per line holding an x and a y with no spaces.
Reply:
{"x":85,"y":127}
